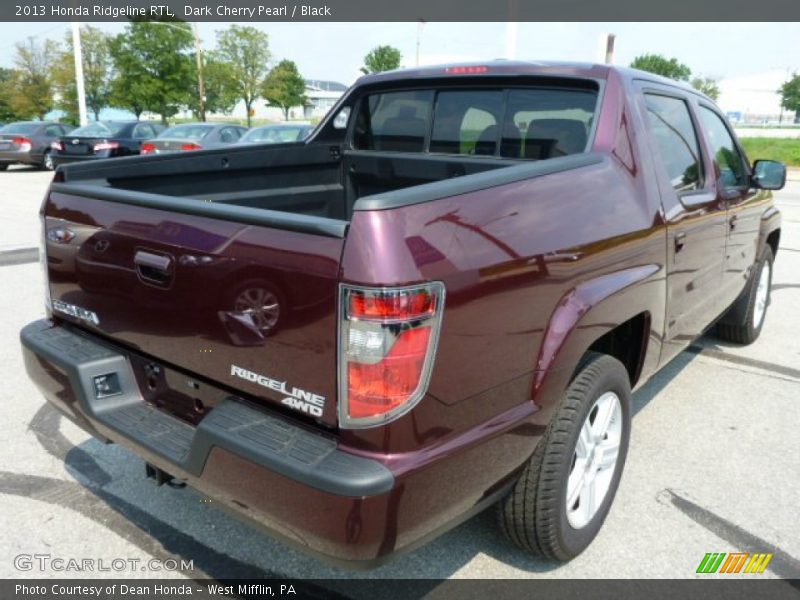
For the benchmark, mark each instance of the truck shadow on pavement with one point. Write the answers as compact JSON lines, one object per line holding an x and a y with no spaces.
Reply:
{"x":165,"y":523}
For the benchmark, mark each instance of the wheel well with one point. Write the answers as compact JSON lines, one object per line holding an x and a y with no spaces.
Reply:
{"x":627,"y":343}
{"x":773,"y":239}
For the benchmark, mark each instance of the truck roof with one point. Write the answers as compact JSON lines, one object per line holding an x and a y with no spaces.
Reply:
{"x":503,"y":67}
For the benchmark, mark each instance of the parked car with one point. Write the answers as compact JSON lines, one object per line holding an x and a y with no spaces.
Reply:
{"x":496,"y":256}
{"x":194,"y":136}
{"x":277,"y":134}
{"x":28,"y":143}
{"x":103,"y":139}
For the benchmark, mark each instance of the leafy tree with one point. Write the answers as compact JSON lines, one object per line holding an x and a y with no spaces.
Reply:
{"x":244,"y":51}
{"x":707,"y":85}
{"x":220,"y":89}
{"x":7,"y":79}
{"x":790,"y":95}
{"x":381,"y":58}
{"x":97,"y":73}
{"x":284,"y":87}
{"x":154,"y":68}
{"x":668,"y":67}
{"x":31,"y":90}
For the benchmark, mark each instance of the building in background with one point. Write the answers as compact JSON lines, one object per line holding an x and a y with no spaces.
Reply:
{"x":754,"y":99}
{"x":321,"y":96}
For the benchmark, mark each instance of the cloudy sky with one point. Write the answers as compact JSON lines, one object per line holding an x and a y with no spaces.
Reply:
{"x":336,"y":50}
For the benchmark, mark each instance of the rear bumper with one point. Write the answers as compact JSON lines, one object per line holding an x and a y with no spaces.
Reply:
{"x":301,"y":486}
{"x":10,"y":157}
{"x":66,"y":159}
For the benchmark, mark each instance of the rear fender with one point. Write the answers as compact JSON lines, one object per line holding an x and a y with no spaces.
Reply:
{"x":582,"y":316}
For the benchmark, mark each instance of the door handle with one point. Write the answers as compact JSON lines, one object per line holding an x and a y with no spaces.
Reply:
{"x":153,"y":261}
{"x":680,"y":241}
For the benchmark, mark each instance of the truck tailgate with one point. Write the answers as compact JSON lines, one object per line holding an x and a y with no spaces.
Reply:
{"x":247,"y":306}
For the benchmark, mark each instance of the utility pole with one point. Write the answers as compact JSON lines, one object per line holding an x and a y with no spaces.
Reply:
{"x":511,"y":30}
{"x":610,"y":48}
{"x":78,"y":56}
{"x":201,"y":86}
{"x":420,"y":25}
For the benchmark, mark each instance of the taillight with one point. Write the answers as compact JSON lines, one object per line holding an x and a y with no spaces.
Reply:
{"x":191,"y":146}
{"x":56,"y":145}
{"x":148,"y":148}
{"x":99,"y":147}
{"x":23,"y":143}
{"x":388,"y":339}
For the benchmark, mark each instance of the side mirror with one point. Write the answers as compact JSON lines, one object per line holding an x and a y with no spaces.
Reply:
{"x":769,"y":175}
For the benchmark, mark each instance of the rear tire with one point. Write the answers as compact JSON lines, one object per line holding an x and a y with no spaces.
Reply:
{"x":559,"y":503}
{"x":47,"y":161}
{"x":743,"y":321}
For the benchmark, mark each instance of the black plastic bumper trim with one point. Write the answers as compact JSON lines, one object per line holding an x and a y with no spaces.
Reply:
{"x":267,"y":440}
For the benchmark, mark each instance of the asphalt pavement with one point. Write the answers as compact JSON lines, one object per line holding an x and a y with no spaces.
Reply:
{"x":714,"y":462}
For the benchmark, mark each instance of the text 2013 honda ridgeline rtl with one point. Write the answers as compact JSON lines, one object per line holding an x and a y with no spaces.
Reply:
{"x":439,"y":301}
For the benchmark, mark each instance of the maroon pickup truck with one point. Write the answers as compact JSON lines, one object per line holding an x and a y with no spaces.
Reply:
{"x":439,"y":301}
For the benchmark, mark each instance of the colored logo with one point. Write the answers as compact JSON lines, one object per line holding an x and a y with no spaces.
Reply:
{"x":735,"y":562}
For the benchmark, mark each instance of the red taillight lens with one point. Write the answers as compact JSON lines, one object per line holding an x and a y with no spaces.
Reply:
{"x":191,"y":146}
{"x":99,"y":147}
{"x":388,"y":338}
{"x":399,"y":305}
{"x":23,"y":143}
{"x":380,"y":388}
{"x":56,"y":145}
{"x":148,"y":148}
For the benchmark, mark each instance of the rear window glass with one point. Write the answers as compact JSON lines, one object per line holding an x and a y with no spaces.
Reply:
{"x":274,"y":134}
{"x":20,"y":128}
{"x":529,"y":123}
{"x":395,"y":121}
{"x":98,"y":128}
{"x":189,"y":132}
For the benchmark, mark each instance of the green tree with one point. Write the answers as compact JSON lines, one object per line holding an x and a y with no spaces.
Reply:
{"x":284,"y":87}
{"x":790,"y":95}
{"x":97,"y":73}
{"x":381,"y":58}
{"x":154,"y":70}
{"x":244,"y":51}
{"x":668,"y":67}
{"x":7,"y":79}
{"x":31,"y":90}
{"x":220,"y":89}
{"x":707,"y":85}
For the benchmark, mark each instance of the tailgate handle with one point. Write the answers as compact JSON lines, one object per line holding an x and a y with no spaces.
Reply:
{"x":153,"y":268}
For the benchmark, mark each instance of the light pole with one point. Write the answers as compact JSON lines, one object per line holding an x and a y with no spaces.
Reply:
{"x":77,"y":55}
{"x":420,"y":25}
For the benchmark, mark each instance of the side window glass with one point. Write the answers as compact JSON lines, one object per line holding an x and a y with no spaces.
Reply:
{"x":466,"y":122}
{"x":395,"y":121}
{"x":52,"y":131}
{"x":730,"y":161}
{"x":675,"y":136}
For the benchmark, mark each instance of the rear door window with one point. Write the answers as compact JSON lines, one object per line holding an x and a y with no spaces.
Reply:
{"x":676,"y":139}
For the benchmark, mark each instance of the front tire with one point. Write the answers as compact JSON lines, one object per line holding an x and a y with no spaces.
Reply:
{"x":559,"y":503}
{"x":743,"y":321}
